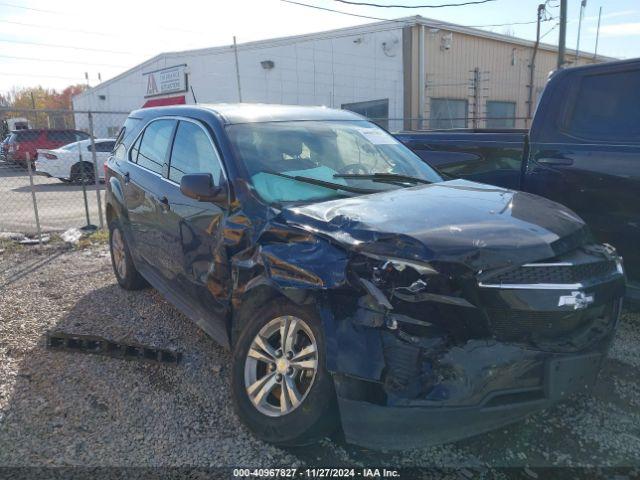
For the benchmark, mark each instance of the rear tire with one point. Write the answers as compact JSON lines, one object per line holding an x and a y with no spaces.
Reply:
{"x":310,"y":411}
{"x":82,"y":173}
{"x":125,"y":271}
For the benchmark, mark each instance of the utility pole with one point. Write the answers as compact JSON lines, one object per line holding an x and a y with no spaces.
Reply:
{"x":595,"y":51}
{"x":562,"y":41}
{"x":532,"y":66}
{"x":583,"y":5}
{"x":235,"y":51}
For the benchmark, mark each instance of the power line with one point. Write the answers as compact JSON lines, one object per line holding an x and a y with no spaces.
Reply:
{"x":549,"y":31}
{"x":72,"y":47}
{"x":379,"y":5}
{"x":12,"y":5}
{"x":56,"y":60}
{"x":64,"y":29}
{"x":441,"y":24}
{"x":37,"y":75}
{"x":58,"y":12}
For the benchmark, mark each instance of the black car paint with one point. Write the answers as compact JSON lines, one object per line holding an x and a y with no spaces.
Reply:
{"x":598,"y":179}
{"x":404,"y":355}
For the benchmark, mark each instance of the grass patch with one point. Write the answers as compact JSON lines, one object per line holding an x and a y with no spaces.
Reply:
{"x":98,"y":237}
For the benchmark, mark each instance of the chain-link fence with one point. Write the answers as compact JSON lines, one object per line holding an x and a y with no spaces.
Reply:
{"x":51,"y":169}
{"x":51,"y":161}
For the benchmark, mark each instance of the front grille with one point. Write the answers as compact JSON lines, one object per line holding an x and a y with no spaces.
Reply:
{"x":522,"y":325}
{"x":554,"y":274}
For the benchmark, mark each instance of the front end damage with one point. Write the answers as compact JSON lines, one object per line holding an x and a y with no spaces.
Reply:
{"x":431,"y":353}
{"x":448,"y":310}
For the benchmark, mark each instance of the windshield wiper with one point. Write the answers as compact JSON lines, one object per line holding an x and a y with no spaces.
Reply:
{"x":383,"y":177}
{"x":322,"y":183}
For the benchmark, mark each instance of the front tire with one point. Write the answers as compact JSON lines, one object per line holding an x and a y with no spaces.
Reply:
{"x":281,"y":388}
{"x":125,"y":271}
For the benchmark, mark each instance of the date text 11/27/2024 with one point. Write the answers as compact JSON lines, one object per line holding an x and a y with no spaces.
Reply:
{"x":315,"y":473}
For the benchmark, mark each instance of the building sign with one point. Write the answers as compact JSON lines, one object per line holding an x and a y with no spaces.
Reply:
{"x":166,"y":80}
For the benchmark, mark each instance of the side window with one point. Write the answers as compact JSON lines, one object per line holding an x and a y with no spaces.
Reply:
{"x":607,"y":107}
{"x":65,"y":136}
{"x":105,"y":147}
{"x":193,"y":153}
{"x":154,"y":145}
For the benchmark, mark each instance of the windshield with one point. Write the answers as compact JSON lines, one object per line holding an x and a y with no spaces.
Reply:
{"x":345,"y":157}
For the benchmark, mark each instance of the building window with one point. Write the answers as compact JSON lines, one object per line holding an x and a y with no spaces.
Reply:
{"x":448,"y":113}
{"x":376,"y":110}
{"x":501,"y":114}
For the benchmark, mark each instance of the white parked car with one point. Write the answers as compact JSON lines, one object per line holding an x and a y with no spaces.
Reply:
{"x":74,"y":161}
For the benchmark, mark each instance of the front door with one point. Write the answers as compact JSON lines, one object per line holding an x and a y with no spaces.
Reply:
{"x":196,"y":228}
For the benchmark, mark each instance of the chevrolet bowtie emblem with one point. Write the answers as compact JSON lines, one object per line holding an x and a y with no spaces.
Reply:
{"x":577,"y":300}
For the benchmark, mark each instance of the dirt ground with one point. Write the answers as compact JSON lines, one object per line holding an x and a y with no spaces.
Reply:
{"x":61,"y":408}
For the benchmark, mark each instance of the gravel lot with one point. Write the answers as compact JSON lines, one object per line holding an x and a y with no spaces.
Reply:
{"x":71,"y":409}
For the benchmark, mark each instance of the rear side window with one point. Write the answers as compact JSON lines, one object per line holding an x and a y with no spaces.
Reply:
{"x":193,"y":153}
{"x":103,"y":146}
{"x":150,"y":151}
{"x":26,"y":136}
{"x":607,"y":107}
{"x":64,"y":137}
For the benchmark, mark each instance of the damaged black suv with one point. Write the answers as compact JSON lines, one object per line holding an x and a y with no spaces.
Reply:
{"x":354,"y":286}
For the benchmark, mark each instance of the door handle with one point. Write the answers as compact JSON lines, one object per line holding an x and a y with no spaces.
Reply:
{"x":127,"y":177}
{"x":555,"y":161}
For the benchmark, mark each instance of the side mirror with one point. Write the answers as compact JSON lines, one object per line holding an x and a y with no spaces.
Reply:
{"x":199,"y":186}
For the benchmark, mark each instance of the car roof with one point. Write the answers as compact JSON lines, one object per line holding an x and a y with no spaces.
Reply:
{"x":232,"y":113}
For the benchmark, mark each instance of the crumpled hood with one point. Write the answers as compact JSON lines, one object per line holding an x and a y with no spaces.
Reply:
{"x":458,"y":221}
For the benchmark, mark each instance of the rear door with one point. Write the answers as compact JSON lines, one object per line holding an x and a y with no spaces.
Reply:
{"x":196,"y":228}
{"x":145,"y":193}
{"x":588,"y":157}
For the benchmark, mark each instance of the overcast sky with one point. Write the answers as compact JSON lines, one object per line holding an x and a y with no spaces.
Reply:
{"x":57,"y":42}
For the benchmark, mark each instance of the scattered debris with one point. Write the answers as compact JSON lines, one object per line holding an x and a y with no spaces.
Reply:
{"x":73,"y":235}
{"x":16,"y":237}
{"x":102,"y":346}
{"x":35,"y":241}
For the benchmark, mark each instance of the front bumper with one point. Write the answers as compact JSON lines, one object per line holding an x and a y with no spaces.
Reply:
{"x":397,"y":390}
{"x":416,"y":424}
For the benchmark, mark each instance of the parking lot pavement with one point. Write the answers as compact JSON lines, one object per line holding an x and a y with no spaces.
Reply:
{"x":74,"y":409}
{"x":60,"y":205}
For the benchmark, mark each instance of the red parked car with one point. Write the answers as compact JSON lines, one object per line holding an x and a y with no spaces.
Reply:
{"x":25,"y":142}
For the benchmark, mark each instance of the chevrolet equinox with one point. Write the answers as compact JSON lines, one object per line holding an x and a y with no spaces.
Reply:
{"x":355,"y":287}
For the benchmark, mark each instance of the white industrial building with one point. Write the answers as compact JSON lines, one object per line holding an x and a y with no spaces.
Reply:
{"x":407,"y":73}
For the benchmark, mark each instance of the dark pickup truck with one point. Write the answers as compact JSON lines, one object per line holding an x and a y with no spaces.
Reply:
{"x":583,"y":150}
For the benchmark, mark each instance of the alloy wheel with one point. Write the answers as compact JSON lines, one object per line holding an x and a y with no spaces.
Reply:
{"x":281,"y":366}
{"x":117,"y":249}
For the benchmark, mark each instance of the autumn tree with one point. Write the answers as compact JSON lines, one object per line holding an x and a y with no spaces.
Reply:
{"x":41,"y":98}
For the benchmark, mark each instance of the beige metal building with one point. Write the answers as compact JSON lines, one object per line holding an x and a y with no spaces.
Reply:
{"x":408,"y":73}
{"x":466,"y":77}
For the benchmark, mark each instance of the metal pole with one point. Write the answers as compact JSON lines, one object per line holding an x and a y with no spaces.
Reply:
{"x":84,"y":187}
{"x":96,"y":170}
{"x":583,"y":4}
{"x":595,"y":52}
{"x":475,"y":119}
{"x":33,"y":198}
{"x":235,"y":51}
{"x":532,"y":67}
{"x":421,"y":77}
{"x":562,"y":40}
